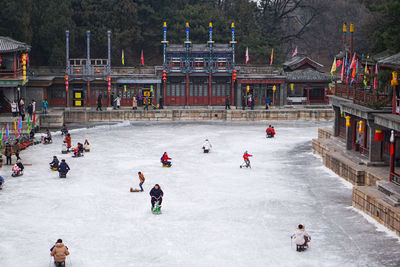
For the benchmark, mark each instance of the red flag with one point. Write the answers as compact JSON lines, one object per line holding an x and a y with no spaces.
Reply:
{"x":375,"y":78}
{"x":141,"y":58}
{"x":338,"y":63}
{"x":392,"y":149}
{"x":272,"y":57}
{"x":353,"y":62}
{"x":295,"y":52}
{"x":34,"y":118}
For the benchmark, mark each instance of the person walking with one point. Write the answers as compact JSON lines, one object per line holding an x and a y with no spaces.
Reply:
{"x":146,"y":103}
{"x":118,"y":102}
{"x":244,"y":99}
{"x":8,"y":153}
{"x":22,"y":108}
{"x":14,"y":108}
{"x":30,"y":110}
{"x":60,"y":253}
{"x":252,"y":102}
{"x":266,"y":102}
{"x":33,"y":106}
{"x":112,"y":100}
{"x":17,"y":149}
{"x":161,"y":102}
{"x":134,"y":102}
{"x":45,"y":104}
{"x":141,"y":179}
{"x":227,"y":103}
{"x":99,"y":98}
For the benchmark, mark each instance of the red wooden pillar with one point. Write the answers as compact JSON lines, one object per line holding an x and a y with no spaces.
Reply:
{"x":209,"y":89}
{"x":164,"y":93}
{"x":187,"y":89}
{"x":308,"y":95}
{"x":392,"y":156}
{"x":394,"y":100}
{"x":232,"y":98}
{"x":88,"y":93}
{"x":15,"y":66}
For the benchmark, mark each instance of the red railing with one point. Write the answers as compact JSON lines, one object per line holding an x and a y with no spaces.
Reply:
{"x":361,"y":96}
{"x":7,"y":73}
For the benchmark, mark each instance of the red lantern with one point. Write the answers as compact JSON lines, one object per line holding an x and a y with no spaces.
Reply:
{"x":109,"y":83}
{"x":78,"y":70}
{"x":164,"y":75}
{"x":98,"y":71}
{"x":66,"y":83}
{"x":234,"y":76}
{"x":378,"y":136}
{"x":0,"y":61}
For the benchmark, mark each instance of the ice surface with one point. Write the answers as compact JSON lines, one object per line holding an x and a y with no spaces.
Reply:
{"x":214,"y":213}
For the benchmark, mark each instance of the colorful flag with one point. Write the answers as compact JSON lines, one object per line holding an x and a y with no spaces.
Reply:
{"x":141,"y":58}
{"x":34,"y":119}
{"x":27,"y":123}
{"x":15,"y":127}
{"x":1,"y":137}
{"x":375,"y":78}
{"x":353,"y":62}
{"x":338,"y":63}
{"x":19,"y":126}
{"x":343,"y":68}
{"x":123,"y":58}
{"x":7,"y":132}
{"x":247,"y":55}
{"x":272,"y":57}
{"x":295,"y":52}
{"x":365,"y":75}
{"x":333,"y":69}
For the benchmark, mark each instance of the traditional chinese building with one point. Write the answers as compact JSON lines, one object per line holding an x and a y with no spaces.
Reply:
{"x":14,"y":64}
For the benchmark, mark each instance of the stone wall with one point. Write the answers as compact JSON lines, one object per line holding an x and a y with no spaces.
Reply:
{"x":367,"y":199}
{"x":76,"y":116}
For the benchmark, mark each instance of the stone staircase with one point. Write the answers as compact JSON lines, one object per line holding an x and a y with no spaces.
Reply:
{"x":391,"y":191}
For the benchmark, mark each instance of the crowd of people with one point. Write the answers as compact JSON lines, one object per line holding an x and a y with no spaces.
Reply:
{"x":115,"y":102}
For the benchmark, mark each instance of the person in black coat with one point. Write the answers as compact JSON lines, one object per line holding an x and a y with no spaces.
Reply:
{"x":99,"y":98}
{"x":20,"y":165}
{"x":54,"y":163}
{"x":112,"y":100}
{"x":227,"y":103}
{"x":156,"y":195}
{"x":63,"y":167}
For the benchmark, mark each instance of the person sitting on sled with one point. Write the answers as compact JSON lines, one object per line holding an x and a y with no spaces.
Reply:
{"x":18,"y":168}
{"x":68,"y":141}
{"x":54,"y":163}
{"x":156,"y":195}
{"x":63,"y":167}
{"x":141,"y":179}
{"x":80,"y":148}
{"x":246,"y":159}
{"x":301,"y":237}
{"x":207,"y":146}
{"x":272,"y":131}
{"x":165,"y":158}
{"x":47,"y":138}
{"x":269,"y":131}
{"x":1,"y":182}
{"x":60,"y":253}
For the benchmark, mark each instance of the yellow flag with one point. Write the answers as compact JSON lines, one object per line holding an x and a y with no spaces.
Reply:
{"x":333,"y":69}
{"x":123,"y":58}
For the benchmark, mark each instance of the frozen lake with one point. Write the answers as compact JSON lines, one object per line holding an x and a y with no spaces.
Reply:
{"x":214,"y":213}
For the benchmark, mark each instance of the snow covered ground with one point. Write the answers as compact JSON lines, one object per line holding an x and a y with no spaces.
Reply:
{"x":214,"y":213}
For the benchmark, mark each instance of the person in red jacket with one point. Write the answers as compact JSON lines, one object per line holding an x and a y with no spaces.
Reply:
{"x":246,"y":163}
{"x":272,"y":131}
{"x":269,"y":131}
{"x":164,"y":160}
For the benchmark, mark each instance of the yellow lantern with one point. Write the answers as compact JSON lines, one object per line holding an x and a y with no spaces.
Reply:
{"x":24,"y":67}
{"x":348,"y":124}
{"x":274,"y":88}
{"x":361,"y":127}
{"x":292,"y":87}
{"x":248,"y":88}
{"x":395,"y":79}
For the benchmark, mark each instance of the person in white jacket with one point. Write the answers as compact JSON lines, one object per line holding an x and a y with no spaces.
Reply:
{"x":301,"y":237}
{"x":207,"y":146}
{"x":118,"y":101}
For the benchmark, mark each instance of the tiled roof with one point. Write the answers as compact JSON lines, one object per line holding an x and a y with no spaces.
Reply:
{"x":308,"y":75}
{"x":391,"y":60}
{"x":297,"y":61}
{"x":8,"y":45}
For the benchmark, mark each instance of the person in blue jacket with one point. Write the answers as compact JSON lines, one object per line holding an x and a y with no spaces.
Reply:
{"x":63,"y":167}
{"x":1,"y":182}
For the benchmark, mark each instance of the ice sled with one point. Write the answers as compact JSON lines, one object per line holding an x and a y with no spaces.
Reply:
{"x":62,"y":175}
{"x":157,"y":209}
{"x":134,"y":190}
{"x":54,"y":169}
{"x":300,"y":248}
{"x":206,"y":150}
{"x":16,"y":174}
{"x":77,"y":155}
{"x":166,"y":164}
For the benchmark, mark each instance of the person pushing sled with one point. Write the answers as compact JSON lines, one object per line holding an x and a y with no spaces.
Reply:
{"x":156,"y":199}
{"x":246,"y":159}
